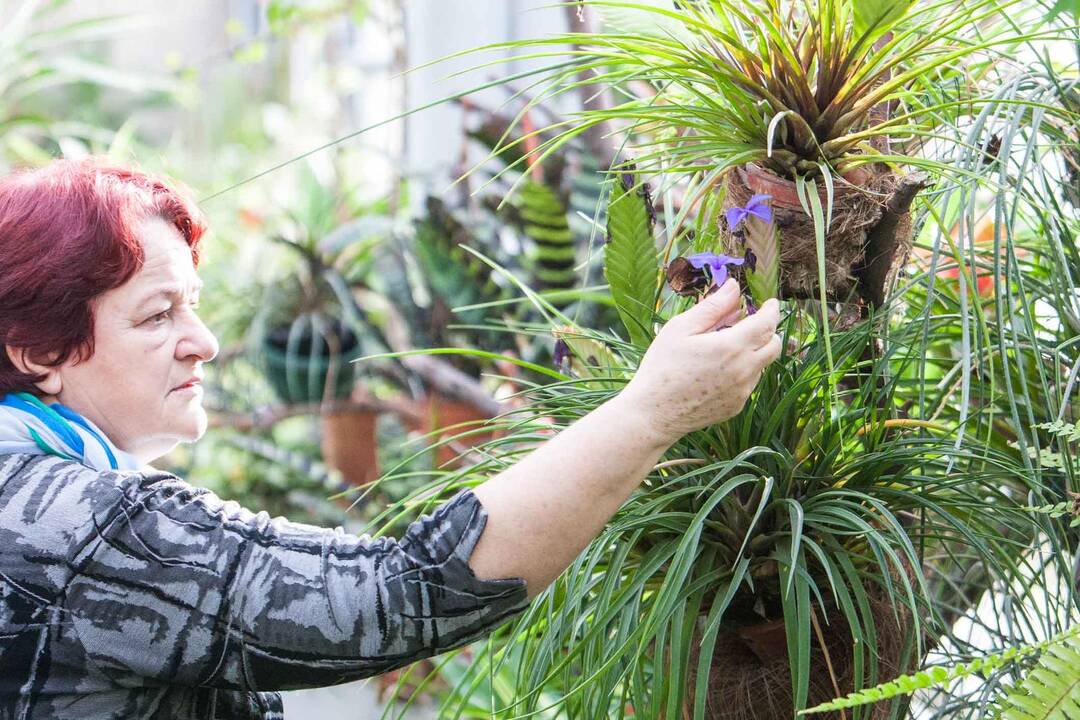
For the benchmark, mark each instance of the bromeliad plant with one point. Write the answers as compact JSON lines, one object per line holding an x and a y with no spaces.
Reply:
{"x":823,"y":106}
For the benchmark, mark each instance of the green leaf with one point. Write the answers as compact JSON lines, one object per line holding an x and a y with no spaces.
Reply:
{"x":762,"y":239}
{"x":877,"y":16}
{"x":630,"y":259}
{"x":1051,"y":690}
{"x":553,"y":252}
{"x":1070,"y":6}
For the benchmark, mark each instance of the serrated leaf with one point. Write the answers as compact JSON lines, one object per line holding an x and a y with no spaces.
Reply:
{"x":630,"y":258}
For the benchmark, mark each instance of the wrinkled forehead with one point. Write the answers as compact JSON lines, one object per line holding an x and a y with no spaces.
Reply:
{"x":167,"y":268}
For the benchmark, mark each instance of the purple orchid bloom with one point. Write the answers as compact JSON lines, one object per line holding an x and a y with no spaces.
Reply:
{"x":717,"y":263}
{"x":758,"y":206}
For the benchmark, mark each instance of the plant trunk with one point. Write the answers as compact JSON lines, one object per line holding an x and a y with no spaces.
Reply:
{"x":750,"y":677}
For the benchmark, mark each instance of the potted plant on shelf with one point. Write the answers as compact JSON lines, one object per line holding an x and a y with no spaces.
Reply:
{"x":821,"y":540}
{"x":310,"y":327}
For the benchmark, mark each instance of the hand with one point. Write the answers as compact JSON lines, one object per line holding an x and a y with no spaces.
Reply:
{"x":693,"y":375}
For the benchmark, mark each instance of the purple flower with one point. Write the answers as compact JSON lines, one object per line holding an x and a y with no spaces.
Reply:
{"x":561,"y":354}
{"x":717,"y":264}
{"x":758,"y":206}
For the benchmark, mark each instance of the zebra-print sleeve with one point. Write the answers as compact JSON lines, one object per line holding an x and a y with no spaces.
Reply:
{"x":169,"y":584}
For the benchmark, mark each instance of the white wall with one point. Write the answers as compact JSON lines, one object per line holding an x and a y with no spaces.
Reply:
{"x":437,"y":28}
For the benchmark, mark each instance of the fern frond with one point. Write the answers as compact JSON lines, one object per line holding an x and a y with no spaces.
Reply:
{"x":1069,"y":432}
{"x":941,"y":676}
{"x":1051,"y":690}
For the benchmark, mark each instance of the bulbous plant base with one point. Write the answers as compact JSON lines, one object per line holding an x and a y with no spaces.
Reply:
{"x":750,"y":678}
{"x":868,"y":240}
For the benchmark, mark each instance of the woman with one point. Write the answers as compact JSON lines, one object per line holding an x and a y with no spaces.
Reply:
{"x":127,"y":593}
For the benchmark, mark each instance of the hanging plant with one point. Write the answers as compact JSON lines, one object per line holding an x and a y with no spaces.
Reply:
{"x":817,"y":109}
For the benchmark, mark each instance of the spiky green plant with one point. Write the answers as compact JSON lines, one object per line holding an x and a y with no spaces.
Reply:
{"x":888,"y":459}
{"x":1047,"y":690}
{"x":803,"y":87}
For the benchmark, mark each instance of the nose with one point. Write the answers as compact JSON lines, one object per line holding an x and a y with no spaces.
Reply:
{"x":197,"y":341}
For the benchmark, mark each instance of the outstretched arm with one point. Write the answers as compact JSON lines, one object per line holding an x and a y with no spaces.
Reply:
{"x":544,"y":510}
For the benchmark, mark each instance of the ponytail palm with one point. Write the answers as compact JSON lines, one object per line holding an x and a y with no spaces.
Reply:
{"x":800,"y":509}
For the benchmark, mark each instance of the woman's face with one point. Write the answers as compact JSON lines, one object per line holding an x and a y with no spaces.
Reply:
{"x":142,"y":384}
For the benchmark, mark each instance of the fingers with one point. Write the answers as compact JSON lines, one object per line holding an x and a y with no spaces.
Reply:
{"x":769,"y":352}
{"x":755,"y":331}
{"x":710,"y":312}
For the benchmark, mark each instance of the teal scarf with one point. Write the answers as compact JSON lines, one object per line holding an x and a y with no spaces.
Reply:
{"x":28,"y":425}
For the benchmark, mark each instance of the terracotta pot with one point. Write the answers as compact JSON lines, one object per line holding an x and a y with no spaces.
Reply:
{"x":449,"y":417}
{"x":783,"y":192}
{"x":349,"y":444}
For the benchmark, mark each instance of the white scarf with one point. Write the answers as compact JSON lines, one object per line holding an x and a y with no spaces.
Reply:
{"x":28,"y":425}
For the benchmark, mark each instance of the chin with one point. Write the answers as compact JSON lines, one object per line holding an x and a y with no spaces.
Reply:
{"x":198,"y":426}
{"x":191,"y":427}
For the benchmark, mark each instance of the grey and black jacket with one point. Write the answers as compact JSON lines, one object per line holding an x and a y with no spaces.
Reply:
{"x":136,"y":595}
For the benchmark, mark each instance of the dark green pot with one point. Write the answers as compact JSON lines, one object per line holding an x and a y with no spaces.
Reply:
{"x":300,"y":376}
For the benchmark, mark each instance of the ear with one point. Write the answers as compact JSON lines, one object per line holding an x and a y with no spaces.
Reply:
{"x":51,"y":385}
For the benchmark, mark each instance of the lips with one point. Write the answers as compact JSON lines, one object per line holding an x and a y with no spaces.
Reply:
{"x":193,"y":382}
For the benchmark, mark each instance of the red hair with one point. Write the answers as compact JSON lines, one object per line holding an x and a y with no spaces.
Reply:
{"x":67,"y":235}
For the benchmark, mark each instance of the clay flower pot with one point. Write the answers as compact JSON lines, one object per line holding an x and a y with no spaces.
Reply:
{"x":349,"y":444}
{"x":448,"y":417}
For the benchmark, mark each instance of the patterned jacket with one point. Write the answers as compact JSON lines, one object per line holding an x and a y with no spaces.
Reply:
{"x":136,"y":595}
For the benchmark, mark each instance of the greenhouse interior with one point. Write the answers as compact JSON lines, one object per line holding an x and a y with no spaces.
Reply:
{"x":659,"y":359}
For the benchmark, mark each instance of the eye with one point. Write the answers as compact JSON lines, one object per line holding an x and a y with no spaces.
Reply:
{"x":159,"y":317}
